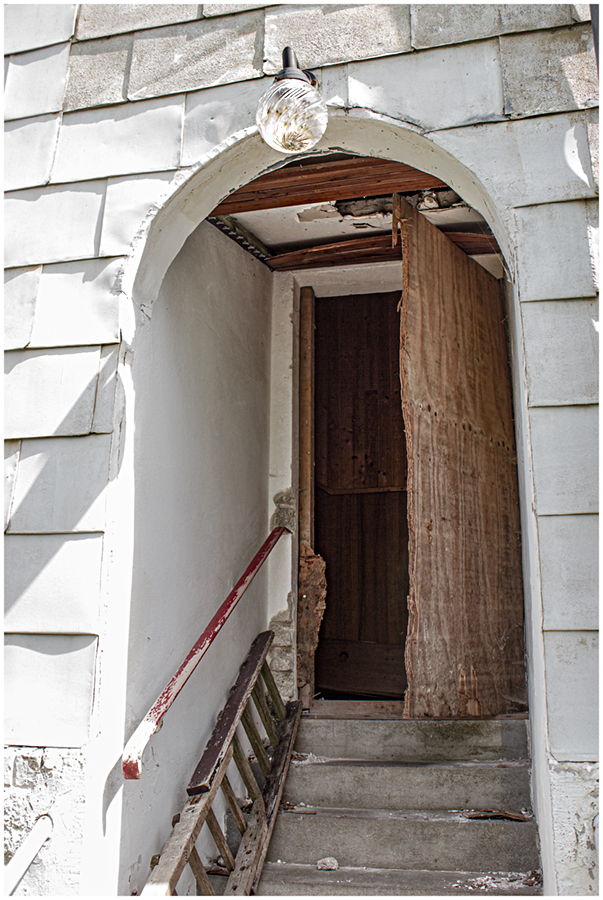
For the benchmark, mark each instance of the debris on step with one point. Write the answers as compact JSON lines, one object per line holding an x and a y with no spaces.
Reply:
{"x":534,"y":877}
{"x":513,"y":814}
{"x":498,"y":881}
{"x":328,"y":864}
{"x":306,"y":759}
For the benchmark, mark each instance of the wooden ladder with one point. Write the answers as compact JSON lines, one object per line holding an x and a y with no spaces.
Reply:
{"x":255,"y":682}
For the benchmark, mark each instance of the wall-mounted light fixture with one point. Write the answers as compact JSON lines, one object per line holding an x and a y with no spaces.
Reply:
{"x":292,"y":115}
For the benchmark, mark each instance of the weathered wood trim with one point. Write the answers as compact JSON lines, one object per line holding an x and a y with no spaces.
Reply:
{"x":315,"y":182}
{"x":306,"y":416}
{"x":275,"y":783}
{"x":233,"y":804}
{"x":312,"y":581}
{"x":245,"y":770}
{"x":248,"y":857}
{"x":178,"y":847}
{"x":198,"y":869}
{"x":370,"y":249}
{"x":220,"y":840}
{"x":254,"y":846}
{"x":231,"y":715}
{"x":256,"y":741}
{"x":275,"y":694}
{"x":259,"y":698}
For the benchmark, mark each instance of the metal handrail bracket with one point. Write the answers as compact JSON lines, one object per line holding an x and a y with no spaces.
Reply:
{"x":132,"y":755}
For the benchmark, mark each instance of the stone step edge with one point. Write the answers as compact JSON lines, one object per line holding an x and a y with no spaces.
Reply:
{"x":366,"y":877}
{"x":377,"y":715}
{"x":417,"y":815}
{"x":469,"y":764}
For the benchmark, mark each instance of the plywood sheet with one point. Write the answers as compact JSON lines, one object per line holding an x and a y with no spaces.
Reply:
{"x":465,"y":647}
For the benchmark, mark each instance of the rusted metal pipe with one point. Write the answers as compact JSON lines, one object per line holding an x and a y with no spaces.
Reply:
{"x":132,"y":755}
{"x":26,"y":853}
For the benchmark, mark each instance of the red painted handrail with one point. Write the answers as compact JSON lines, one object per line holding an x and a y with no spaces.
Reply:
{"x":131,"y":762}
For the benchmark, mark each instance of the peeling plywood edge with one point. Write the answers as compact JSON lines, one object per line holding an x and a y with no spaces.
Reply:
{"x":312,"y":583}
{"x":310,"y":612}
{"x":413,"y":613}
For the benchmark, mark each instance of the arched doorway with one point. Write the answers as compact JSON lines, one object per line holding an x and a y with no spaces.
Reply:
{"x":465,"y":649}
{"x":182,"y":215}
{"x":468,"y":702}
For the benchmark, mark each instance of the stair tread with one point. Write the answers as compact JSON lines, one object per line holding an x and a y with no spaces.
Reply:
{"x":460,"y":764}
{"x":419,"y":815}
{"x":374,"y":785}
{"x":308,"y":880}
{"x":392,"y":793}
{"x":414,"y":739}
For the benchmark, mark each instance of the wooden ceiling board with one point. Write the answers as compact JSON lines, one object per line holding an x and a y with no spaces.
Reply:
{"x":310,"y":181}
{"x":340,"y":180}
{"x":372,"y":248}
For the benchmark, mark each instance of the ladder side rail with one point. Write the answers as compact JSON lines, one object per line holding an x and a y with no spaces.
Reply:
{"x":231,"y":715}
{"x":211,"y":774}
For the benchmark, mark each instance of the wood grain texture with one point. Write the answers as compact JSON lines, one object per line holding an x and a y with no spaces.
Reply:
{"x":313,"y":182}
{"x":252,"y":852}
{"x":369,"y":249}
{"x":361,"y":667}
{"x":364,"y":541}
{"x":465,"y":647}
{"x":360,"y":498}
{"x":310,"y":611}
{"x":358,"y":411}
{"x":312,"y":585}
{"x":234,"y":709}
{"x":306,"y":416}
{"x":178,"y":847}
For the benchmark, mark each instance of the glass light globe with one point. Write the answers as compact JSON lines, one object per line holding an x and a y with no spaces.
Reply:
{"x":291,"y":116}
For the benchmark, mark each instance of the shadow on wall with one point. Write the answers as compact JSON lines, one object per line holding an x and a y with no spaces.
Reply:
{"x":65,"y":477}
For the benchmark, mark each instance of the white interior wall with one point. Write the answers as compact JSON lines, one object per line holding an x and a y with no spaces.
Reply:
{"x":200,"y":375}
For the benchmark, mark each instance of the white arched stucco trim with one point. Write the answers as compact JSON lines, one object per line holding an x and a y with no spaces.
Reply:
{"x":196,"y":190}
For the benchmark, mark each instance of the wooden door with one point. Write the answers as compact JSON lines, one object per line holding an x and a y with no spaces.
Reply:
{"x":465,"y":646}
{"x":360,"y":496}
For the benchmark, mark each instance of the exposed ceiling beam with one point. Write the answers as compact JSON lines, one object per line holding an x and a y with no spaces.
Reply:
{"x":316,"y":182}
{"x":369,"y":249}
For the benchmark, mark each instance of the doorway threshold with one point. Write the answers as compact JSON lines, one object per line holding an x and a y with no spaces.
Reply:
{"x":355,"y":709}
{"x":383,"y":709}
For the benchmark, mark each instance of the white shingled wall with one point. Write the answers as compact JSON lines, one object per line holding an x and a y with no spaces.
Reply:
{"x":113,"y":111}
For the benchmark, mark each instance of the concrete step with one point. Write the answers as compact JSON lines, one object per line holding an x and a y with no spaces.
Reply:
{"x":413,"y":739}
{"x":404,"y":839}
{"x":394,"y":785}
{"x":303,"y":880}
